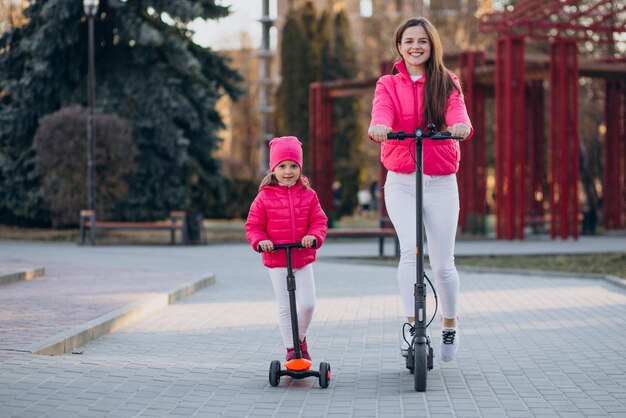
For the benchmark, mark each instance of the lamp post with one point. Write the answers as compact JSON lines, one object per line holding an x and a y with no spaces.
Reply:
{"x":91,"y":8}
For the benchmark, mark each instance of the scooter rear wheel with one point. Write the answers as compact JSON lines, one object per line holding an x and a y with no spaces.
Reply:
{"x":275,"y":373}
{"x":324,"y":375}
{"x":420,"y":366}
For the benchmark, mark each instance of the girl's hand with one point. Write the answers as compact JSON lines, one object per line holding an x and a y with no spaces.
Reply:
{"x":378,"y":133}
{"x":307,"y":241}
{"x":460,"y":129}
{"x":266,"y":245}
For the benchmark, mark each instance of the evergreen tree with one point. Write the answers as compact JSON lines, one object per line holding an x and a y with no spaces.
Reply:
{"x":299,"y":67}
{"x":148,"y":71}
{"x":320,"y":49}
{"x":348,"y":128}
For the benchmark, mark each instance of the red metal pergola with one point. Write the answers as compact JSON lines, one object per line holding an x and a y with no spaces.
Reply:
{"x":522,"y":182}
{"x":563,"y":23}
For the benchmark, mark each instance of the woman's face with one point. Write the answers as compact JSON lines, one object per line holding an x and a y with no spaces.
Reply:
{"x":415,"y":49}
{"x":287,"y":172}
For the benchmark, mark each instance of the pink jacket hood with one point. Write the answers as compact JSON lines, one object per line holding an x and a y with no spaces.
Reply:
{"x":398,"y":103}
{"x":285,"y":214}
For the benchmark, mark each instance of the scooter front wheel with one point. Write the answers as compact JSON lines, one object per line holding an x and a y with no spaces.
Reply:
{"x":275,"y":373}
{"x":420,"y":366}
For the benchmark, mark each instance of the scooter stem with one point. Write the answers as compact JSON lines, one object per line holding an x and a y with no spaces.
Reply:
{"x":291,"y":288}
{"x":420,"y":286}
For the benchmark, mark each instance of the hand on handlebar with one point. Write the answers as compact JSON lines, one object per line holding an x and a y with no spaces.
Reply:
{"x":266,"y":245}
{"x":460,"y":129}
{"x":308,"y":241}
{"x":378,"y":133}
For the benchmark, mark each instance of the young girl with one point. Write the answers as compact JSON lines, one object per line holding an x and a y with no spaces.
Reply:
{"x":286,"y":210}
{"x":423,"y":91}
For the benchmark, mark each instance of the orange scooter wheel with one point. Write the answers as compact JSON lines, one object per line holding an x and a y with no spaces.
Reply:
{"x":324,"y":374}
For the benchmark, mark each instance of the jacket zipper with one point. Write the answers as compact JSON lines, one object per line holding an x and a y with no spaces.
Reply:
{"x":292,"y":210}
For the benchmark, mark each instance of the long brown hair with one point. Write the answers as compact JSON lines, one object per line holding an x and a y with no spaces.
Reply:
{"x":439,"y":84}
{"x":270,"y":180}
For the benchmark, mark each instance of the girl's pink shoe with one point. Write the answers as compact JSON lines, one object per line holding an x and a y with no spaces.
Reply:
{"x":289,"y":355}
{"x":305,"y":349}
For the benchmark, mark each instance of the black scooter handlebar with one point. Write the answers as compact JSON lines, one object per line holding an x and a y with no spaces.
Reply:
{"x":429,"y":134}
{"x":288,"y":246}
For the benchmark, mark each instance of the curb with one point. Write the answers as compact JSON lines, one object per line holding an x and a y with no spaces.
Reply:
{"x":18,"y":276}
{"x":67,"y":341}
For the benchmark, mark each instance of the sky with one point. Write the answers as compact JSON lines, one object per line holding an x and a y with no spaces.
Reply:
{"x":225,"y":33}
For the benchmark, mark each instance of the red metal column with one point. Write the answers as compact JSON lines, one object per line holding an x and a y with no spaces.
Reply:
{"x":564,"y":151}
{"x":471,"y":175}
{"x":535,"y":167}
{"x":314,"y":131}
{"x":385,"y":68}
{"x":321,"y":144}
{"x":510,"y":146}
{"x":615,"y":155}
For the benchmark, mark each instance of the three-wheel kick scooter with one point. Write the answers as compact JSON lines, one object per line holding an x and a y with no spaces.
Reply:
{"x":419,"y":358}
{"x":297,"y":367}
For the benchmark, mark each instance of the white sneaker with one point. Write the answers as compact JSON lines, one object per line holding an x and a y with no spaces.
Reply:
{"x":449,"y":344}
{"x":408,"y":332}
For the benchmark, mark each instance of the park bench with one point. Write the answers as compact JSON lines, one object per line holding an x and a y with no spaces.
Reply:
{"x":176,"y":222}
{"x":359,"y":233}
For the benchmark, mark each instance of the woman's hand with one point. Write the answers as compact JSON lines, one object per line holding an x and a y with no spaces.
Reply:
{"x":378,"y":133}
{"x":307,"y":241}
{"x":266,"y":245}
{"x":460,"y":129}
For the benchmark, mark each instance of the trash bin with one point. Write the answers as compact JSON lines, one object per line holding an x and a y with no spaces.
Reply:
{"x":193,"y":228}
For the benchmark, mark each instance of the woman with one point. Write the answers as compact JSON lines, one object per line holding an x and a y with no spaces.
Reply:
{"x":420,"y":91}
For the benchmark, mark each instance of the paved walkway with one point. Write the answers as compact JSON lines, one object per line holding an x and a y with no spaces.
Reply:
{"x":530,"y":345}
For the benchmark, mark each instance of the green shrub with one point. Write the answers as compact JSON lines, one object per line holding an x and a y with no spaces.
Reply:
{"x":61,"y":147}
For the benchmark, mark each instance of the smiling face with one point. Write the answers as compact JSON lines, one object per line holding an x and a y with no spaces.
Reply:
{"x":287,"y":172}
{"x":415,"y":48}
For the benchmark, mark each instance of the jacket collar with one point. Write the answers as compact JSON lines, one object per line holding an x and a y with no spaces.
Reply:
{"x":404,"y":73}
{"x":283,"y":189}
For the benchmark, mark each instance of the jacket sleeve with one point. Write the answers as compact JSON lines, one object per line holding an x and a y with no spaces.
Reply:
{"x":383,"y":110}
{"x":318,"y":221}
{"x":456,"y":111}
{"x":256,"y":224}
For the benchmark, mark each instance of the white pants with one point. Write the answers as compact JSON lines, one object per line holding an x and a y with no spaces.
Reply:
{"x":441,"y":214}
{"x":305,"y":300}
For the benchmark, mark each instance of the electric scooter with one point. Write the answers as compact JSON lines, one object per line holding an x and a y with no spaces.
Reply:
{"x":297,"y":367}
{"x":420,"y":356}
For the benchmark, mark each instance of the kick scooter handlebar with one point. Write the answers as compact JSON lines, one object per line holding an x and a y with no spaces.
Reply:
{"x":429,"y":134}
{"x":288,"y":246}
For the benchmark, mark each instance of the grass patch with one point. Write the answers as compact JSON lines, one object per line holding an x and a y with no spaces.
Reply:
{"x":612,"y":264}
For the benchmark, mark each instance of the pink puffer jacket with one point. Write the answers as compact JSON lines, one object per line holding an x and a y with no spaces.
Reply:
{"x":398,"y":104}
{"x":284,"y":215}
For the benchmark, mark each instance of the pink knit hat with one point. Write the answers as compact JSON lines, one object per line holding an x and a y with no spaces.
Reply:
{"x":285,"y":148}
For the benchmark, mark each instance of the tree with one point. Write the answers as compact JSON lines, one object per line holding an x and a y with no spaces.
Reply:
{"x":148,"y":71}
{"x":320,"y":49}
{"x":299,"y":67}
{"x":60,"y":147}
{"x":348,"y":129}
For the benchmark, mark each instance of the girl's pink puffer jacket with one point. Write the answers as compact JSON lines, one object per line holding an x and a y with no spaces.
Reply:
{"x":284,"y":215}
{"x":398,"y":104}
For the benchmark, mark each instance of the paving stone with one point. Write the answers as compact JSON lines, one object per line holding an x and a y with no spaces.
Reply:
{"x":531,"y":345}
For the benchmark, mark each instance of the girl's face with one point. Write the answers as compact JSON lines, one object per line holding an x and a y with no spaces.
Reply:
{"x":415,"y":49}
{"x":287,"y":173}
